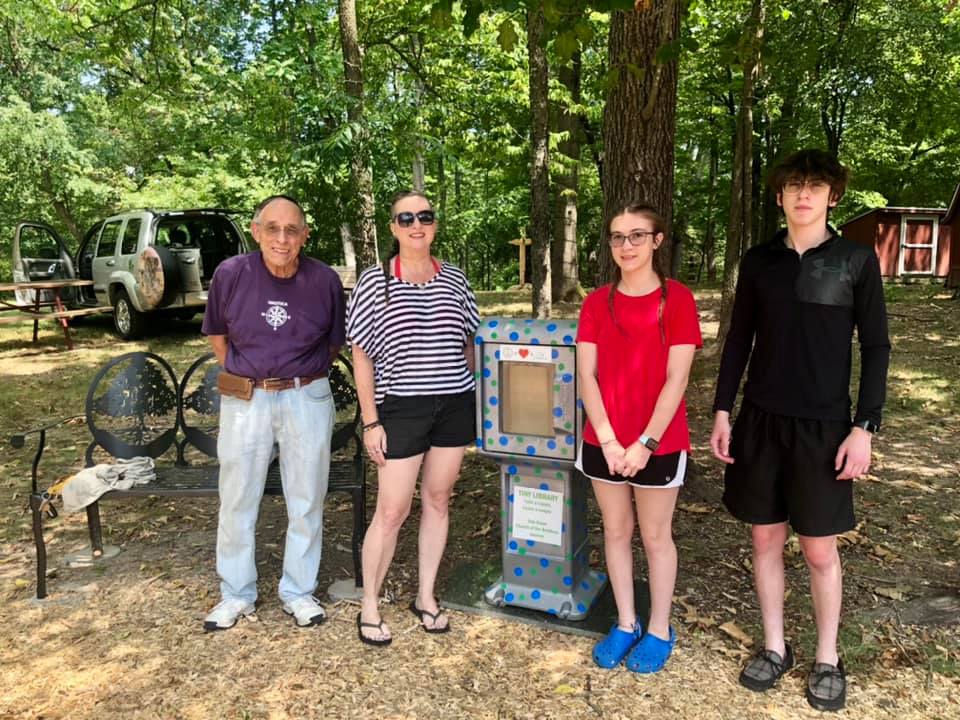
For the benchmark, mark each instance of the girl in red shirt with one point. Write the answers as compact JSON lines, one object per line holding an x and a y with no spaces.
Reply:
{"x":635,"y":344}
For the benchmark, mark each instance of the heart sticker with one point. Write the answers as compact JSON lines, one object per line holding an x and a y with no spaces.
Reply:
{"x":524,"y":352}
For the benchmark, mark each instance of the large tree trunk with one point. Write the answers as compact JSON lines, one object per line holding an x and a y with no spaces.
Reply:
{"x":739,"y":227}
{"x":710,"y":241}
{"x":361,"y":172}
{"x":539,"y":168}
{"x":639,"y":118}
{"x":564,"y":271}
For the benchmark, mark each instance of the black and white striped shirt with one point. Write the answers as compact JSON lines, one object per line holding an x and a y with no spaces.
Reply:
{"x":416,"y":340}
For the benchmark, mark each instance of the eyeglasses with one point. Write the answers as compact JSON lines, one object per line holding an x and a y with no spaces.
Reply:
{"x":636,"y":238}
{"x":795,"y":187}
{"x":405,"y":219}
{"x":274,"y":231}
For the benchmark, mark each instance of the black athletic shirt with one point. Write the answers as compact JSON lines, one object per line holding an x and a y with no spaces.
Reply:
{"x":797,"y":315}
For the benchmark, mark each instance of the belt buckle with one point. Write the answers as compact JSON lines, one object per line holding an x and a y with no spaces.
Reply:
{"x":274,"y":384}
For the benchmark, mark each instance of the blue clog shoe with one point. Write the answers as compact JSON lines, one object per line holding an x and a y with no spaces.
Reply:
{"x":651,"y":653}
{"x":609,"y":652}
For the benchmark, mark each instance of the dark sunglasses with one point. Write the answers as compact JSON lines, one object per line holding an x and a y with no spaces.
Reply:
{"x":405,"y":219}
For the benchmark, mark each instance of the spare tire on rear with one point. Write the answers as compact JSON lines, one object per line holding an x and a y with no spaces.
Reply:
{"x":158,"y":276}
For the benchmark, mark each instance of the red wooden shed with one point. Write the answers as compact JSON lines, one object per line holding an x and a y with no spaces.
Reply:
{"x":952,"y":221}
{"x":909,"y":242}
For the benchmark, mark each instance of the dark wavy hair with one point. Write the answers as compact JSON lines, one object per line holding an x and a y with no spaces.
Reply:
{"x":395,"y":248}
{"x":810,"y":164}
{"x":660,"y":226}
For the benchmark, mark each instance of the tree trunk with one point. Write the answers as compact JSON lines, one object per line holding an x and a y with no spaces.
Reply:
{"x":539,"y":168}
{"x":710,"y":241}
{"x":639,"y":118}
{"x":739,"y":236}
{"x":361,"y":172}
{"x":564,"y":271}
{"x":349,"y":253}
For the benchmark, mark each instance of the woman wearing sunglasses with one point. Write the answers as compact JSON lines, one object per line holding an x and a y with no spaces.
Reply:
{"x":635,"y":344}
{"x":411,"y":324}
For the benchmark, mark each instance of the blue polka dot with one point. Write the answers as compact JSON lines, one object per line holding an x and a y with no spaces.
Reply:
{"x":493,"y":323}
{"x":530,"y":543}
{"x":581,"y":607}
{"x":479,"y":442}
{"x":487,"y":424}
{"x":567,"y":580}
{"x":512,"y":545}
{"x":567,"y":377}
{"x":478,"y":340}
{"x":528,"y":321}
{"x":585,"y":585}
{"x":601,"y":577}
{"x":563,"y":527}
{"x":579,"y":403}
{"x":535,"y":594}
{"x":531,"y":450}
{"x":552,"y":611}
{"x":508,"y":597}
{"x":544,"y":563}
{"x":544,"y":486}
{"x":514,"y":336}
{"x":493,"y":400}
{"x":568,"y":339}
{"x":496,"y":354}
{"x":486,"y":372}
{"x":552,"y":444}
{"x":510,"y":498}
{"x":535,"y":341}
{"x":551,"y":327}
{"x":504,"y":441}
{"x":568,"y":439}
{"x":518,"y":571}
{"x":554,"y":354}
{"x":512,"y":469}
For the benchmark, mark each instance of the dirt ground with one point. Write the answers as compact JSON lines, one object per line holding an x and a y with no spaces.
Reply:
{"x":122,"y":639}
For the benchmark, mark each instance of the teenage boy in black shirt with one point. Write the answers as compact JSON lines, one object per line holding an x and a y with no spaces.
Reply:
{"x":793,"y":452}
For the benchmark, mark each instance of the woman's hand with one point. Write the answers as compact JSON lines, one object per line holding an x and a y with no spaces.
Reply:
{"x":635,"y":459}
{"x":613,"y":453}
{"x":375,"y":442}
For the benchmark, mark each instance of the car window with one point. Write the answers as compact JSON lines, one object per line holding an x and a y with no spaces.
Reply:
{"x":130,"y":235}
{"x":37,"y":242}
{"x":108,"y":239}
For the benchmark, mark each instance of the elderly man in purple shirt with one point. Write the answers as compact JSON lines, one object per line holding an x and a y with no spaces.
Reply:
{"x":275,"y":319}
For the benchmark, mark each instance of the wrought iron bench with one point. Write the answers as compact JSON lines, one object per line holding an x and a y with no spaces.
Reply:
{"x":136,"y":407}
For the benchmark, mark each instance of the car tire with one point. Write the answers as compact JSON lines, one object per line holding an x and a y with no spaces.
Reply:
{"x":127,"y":320}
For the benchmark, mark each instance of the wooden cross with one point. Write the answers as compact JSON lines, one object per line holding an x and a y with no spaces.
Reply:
{"x":521,"y":243}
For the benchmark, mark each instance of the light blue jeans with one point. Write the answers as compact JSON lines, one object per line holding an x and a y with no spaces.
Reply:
{"x":300,"y":421}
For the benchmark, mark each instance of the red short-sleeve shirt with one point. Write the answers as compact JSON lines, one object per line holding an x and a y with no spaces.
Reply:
{"x":632,"y":358}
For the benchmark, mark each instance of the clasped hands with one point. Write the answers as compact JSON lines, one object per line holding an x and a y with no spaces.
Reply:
{"x":625,"y":461}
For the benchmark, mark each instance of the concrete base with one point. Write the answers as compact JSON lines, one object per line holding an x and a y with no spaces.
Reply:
{"x":344,"y":590}
{"x":86,"y":558}
{"x":464,"y":591}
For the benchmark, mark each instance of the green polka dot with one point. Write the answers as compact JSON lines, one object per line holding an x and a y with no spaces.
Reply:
{"x":559,"y":476}
{"x":522,"y":551}
{"x":569,"y":557}
{"x":573,"y":324}
{"x":526,"y":331}
{"x":486,"y":410}
{"x":519,"y":438}
{"x":554,"y":591}
{"x":556,"y":388}
{"x":489,"y":441}
{"x":568,"y":502}
{"x":522,"y":597}
{"x":503,"y":586}
{"x":537,"y":471}
{"x":563,"y":451}
{"x":567,"y":426}
{"x":503,"y":513}
{"x":533,"y":571}
{"x":510,"y":529}
{"x":486,"y":358}
{"x":493,"y":335}
{"x":559,"y":572}
{"x":561,"y":366}
{"x":493,"y":383}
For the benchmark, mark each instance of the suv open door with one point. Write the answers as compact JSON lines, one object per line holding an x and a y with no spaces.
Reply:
{"x":39,"y":254}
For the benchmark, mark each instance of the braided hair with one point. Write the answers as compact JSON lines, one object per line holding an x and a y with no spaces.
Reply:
{"x":395,"y":248}
{"x":659,"y":226}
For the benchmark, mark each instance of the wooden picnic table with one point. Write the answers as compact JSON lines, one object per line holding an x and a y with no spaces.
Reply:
{"x":42,"y":308}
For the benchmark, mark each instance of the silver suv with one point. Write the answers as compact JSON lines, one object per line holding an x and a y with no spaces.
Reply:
{"x":140,"y":262}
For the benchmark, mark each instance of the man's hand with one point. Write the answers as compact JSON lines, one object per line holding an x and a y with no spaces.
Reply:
{"x":613,"y":453}
{"x":635,"y":459}
{"x":720,"y":437}
{"x":375,"y":441}
{"x":853,"y":455}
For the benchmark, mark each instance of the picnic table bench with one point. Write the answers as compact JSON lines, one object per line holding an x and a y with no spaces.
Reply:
{"x":46,"y":303}
{"x":135,"y":406}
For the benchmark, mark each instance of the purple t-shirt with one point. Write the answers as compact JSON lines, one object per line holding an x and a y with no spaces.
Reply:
{"x":275,"y":327}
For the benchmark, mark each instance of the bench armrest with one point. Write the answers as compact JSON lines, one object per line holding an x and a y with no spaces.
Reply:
{"x":18,"y":440}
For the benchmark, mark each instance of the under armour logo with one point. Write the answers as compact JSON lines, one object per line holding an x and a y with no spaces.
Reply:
{"x":821,"y":267}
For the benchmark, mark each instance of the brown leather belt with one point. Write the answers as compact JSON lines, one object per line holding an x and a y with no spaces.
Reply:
{"x":278,"y":384}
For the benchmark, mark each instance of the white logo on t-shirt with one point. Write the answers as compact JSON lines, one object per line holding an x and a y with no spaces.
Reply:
{"x":276,"y":315}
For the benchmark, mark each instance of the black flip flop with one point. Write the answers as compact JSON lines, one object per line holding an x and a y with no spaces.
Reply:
{"x":433,"y":616}
{"x":371,"y":641}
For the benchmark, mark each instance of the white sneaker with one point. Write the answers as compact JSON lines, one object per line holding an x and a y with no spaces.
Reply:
{"x":306,"y":610}
{"x":226,"y":613}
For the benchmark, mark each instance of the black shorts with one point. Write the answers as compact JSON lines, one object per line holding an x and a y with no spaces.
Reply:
{"x":784,"y":470}
{"x":662,"y":471}
{"x":417,"y":423}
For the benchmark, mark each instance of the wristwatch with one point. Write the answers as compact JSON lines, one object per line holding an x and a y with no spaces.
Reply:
{"x":868,"y":425}
{"x":649,"y":443}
